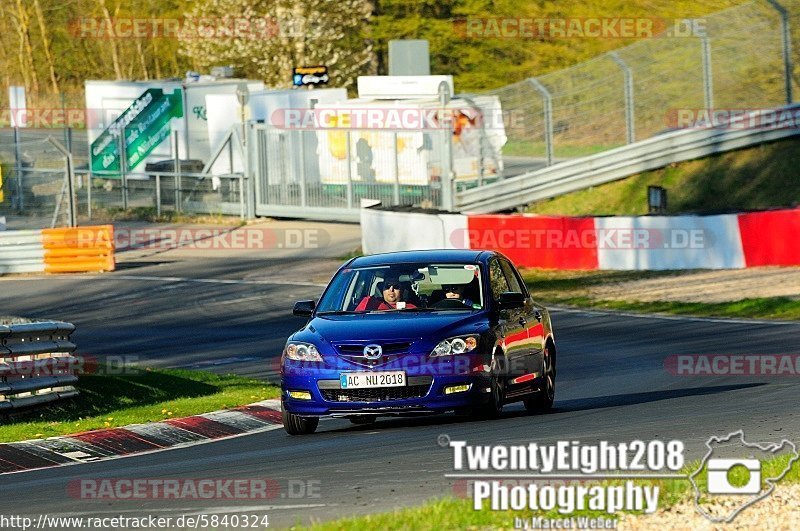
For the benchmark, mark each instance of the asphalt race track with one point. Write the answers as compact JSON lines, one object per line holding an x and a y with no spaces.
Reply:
{"x":233,"y":315}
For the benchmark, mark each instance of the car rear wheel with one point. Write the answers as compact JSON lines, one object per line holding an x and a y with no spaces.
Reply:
{"x":297,"y":425}
{"x":543,"y":400}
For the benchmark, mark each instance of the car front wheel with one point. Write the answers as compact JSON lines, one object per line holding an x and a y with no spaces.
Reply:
{"x":497,"y":393}
{"x":297,"y":425}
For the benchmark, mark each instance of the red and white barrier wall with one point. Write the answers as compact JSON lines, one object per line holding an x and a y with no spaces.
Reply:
{"x":727,"y":241}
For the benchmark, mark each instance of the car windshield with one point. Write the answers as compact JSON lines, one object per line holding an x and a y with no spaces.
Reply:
{"x":405,"y":287}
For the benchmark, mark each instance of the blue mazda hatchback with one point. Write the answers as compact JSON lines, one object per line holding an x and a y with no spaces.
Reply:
{"x":418,"y":332}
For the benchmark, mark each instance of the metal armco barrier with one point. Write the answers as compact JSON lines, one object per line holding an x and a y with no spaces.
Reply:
{"x":36,"y":364}
{"x":618,"y":163}
{"x":63,"y":250}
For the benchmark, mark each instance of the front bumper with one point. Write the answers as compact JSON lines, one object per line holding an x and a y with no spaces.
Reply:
{"x":424,"y":392}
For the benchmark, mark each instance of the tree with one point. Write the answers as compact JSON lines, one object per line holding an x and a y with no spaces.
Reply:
{"x":265,"y":39}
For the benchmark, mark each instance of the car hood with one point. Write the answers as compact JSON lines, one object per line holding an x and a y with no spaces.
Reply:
{"x":393,"y":325}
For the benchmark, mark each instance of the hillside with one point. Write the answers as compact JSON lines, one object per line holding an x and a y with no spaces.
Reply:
{"x":51,"y":46}
{"x":755,"y":178}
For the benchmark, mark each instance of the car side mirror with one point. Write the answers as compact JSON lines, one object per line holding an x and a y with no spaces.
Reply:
{"x":511,"y":300}
{"x":304,"y":308}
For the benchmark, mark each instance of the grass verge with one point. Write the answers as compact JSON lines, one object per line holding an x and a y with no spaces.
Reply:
{"x":148,"y":395}
{"x":573,"y":288}
{"x":453,"y":513}
{"x":746,"y":179}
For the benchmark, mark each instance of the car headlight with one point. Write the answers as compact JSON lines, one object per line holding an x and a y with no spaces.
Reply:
{"x":456,"y":345}
{"x":301,"y":352}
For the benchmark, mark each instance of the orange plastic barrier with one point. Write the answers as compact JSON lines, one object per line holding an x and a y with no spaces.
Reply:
{"x":79,"y":249}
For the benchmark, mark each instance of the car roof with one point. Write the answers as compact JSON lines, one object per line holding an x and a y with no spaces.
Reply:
{"x":458,"y":256}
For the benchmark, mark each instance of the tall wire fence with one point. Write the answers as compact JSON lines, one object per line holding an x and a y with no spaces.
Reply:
{"x":742,"y":58}
{"x":733,"y":59}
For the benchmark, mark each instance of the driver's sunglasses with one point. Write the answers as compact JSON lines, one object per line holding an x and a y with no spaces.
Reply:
{"x":391,"y":285}
{"x":452,"y":289}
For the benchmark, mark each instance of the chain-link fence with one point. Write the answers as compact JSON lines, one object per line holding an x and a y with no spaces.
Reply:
{"x":736,"y":59}
{"x":35,"y":191}
{"x":739,"y":59}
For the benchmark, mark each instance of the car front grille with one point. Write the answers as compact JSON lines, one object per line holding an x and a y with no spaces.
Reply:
{"x":382,"y":394}
{"x":350,"y":349}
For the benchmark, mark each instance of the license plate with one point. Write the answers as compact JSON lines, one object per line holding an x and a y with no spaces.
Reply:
{"x":369,"y":380}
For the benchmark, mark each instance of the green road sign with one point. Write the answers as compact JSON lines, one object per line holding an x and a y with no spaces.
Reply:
{"x":146,"y":124}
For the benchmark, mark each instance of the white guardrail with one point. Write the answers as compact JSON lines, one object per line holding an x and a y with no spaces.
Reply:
{"x":617,"y":163}
{"x":21,"y":251}
{"x":36,"y":364}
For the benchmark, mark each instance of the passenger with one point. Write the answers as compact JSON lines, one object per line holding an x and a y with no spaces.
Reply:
{"x":456,"y":292}
{"x":392,"y":290}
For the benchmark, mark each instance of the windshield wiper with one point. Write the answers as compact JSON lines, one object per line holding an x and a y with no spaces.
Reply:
{"x":338,"y":312}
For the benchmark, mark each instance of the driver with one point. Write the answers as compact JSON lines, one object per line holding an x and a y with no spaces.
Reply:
{"x":392,"y":290}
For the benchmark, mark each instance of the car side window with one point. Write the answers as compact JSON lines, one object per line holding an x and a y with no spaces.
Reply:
{"x":497,"y":280}
{"x":513,"y":280}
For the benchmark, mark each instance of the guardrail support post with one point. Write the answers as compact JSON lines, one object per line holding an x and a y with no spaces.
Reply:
{"x":786,"y":37}
{"x":547,"y":104}
{"x":628,"y":75}
{"x":708,"y":78}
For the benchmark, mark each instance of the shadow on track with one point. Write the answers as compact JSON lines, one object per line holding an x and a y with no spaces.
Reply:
{"x":564,"y":406}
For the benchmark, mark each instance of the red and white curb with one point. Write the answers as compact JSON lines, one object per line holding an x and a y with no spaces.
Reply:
{"x":111,"y":443}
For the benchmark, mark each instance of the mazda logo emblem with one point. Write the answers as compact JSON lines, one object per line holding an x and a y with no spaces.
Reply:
{"x":372,"y":352}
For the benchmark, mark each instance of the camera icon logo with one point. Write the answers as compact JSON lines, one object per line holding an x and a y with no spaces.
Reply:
{"x":732,"y":468}
{"x":720,"y":472}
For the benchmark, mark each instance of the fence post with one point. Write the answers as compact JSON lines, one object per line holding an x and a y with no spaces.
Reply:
{"x":786,"y":37}
{"x":69,"y":175}
{"x":89,"y":194}
{"x":628,"y":75}
{"x":122,"y":165}
{"x":708,"y":79}
{"x":18,"y":169}
{"x":396,"y":171}
{"x":158,"y":195}
{"x":68,"y":138}
{"x":73,"y":219}
{"x":547,"y":104}
{"x":176,"y":168}
{"x":349,"y":174}
{"x":242,"y":211}
{"x":301,"y":136}
{"x":447,"y":168}
{"x":247,"y":190}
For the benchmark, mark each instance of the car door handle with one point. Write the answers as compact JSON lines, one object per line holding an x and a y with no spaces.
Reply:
{"x":538,"y":315}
